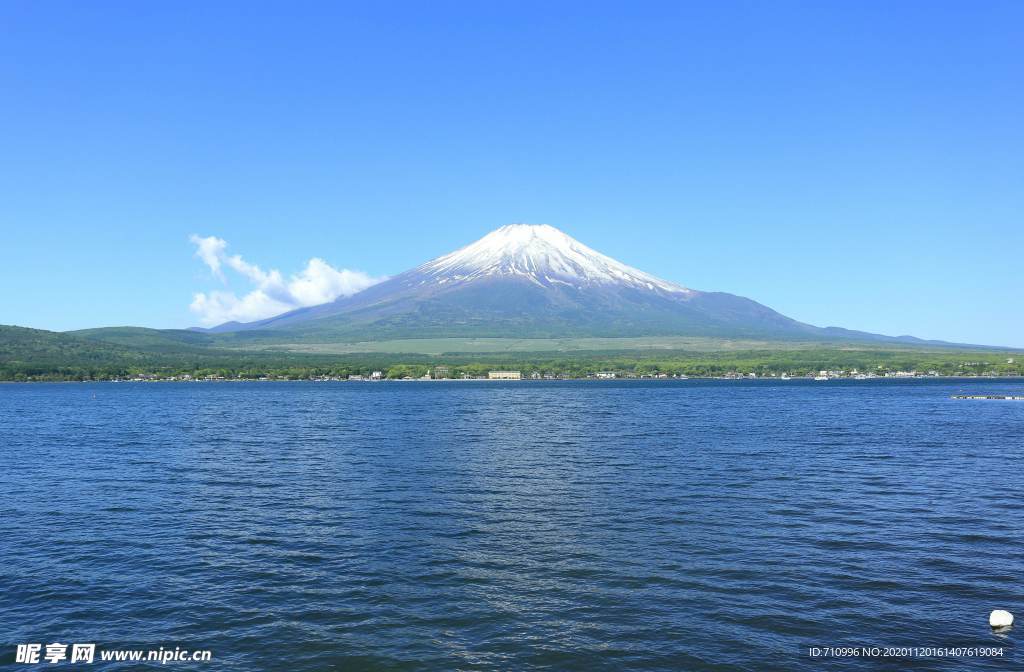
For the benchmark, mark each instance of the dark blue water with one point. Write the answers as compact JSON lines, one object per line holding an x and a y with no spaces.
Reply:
{"x":513,"y":526}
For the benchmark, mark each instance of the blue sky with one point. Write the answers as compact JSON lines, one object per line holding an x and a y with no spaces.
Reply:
{"x":858,"y":164}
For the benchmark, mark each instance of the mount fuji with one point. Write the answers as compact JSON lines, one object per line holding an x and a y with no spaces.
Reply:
{"x":534,"y":281}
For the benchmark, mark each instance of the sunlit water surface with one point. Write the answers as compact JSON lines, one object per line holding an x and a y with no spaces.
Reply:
{"x":691,"y":525}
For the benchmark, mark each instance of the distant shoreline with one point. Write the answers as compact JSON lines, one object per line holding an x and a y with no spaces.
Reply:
{"x":887,"y":379}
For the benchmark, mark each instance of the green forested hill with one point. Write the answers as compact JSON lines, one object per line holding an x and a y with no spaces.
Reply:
{"x":141,"y":338}
{"x":21,"y":345}
{"x":104,"y":353}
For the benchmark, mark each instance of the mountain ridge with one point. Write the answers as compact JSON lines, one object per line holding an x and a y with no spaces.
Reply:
{"x":535,"y":281}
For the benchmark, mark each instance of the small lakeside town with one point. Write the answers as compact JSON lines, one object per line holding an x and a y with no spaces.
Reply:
{"x":444,"y":373}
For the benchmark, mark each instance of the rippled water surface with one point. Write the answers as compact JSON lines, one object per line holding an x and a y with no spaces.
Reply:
{"x":691,"y":525}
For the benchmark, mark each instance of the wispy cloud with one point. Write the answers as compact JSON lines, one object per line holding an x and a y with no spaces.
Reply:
{"x":210,"y":249}
{"x":270,"y":292}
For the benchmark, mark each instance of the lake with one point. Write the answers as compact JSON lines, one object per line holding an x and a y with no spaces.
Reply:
{"x":612,"y":525}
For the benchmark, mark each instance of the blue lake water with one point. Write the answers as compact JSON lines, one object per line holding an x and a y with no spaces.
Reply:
{"x":691,"y":525}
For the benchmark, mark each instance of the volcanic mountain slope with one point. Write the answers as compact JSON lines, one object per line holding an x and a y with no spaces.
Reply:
{"x":534,"y":281}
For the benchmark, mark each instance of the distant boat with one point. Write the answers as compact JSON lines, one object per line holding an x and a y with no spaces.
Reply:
{"x":821,"y":377}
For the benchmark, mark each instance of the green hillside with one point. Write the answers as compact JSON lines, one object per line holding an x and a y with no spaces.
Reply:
{"x":141,"y":338}
{"x":117,"y":352}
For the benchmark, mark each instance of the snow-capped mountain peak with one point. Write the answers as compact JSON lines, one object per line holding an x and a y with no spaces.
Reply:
{"x":531,"y":281}
{"x":541,"y":254}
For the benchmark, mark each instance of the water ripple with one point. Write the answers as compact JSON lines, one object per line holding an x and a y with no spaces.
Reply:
{"x":536,"y":526}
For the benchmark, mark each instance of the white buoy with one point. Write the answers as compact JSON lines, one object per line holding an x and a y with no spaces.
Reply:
{"x":1000,"y":619}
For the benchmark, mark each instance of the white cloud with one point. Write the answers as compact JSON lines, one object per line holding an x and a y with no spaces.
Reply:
{"x":210,"y":249}
{"x":271,"y":294}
